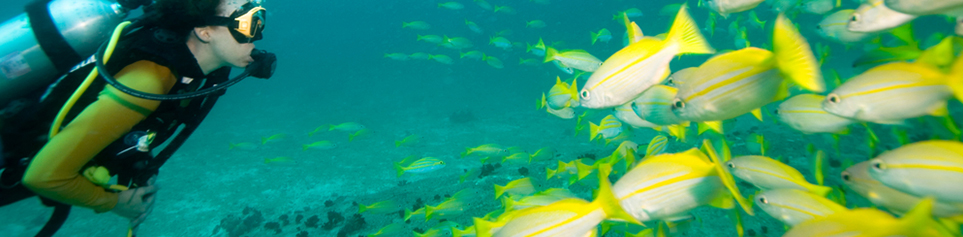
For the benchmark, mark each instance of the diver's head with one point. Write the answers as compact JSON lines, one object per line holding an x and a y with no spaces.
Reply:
{"x":218,"y":32}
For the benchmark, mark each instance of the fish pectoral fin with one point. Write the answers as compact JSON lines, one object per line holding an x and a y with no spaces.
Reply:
{"x":723,"y":200}
{"x":757,"y":113}
{"x":939,"y":110}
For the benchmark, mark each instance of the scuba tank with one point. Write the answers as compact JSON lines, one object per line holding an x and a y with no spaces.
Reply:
{"x":66,"y":31}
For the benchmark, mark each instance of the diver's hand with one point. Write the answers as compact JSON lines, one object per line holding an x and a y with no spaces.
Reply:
{"x":136,"y":204}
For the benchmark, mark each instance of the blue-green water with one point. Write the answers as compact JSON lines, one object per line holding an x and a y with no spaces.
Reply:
{"x":331,"y":70}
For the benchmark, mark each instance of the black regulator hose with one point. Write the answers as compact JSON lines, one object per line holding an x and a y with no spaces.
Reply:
{"x":262,"y":67}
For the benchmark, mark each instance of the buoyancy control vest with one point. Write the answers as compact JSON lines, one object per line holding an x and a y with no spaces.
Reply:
{"x":24,"y":133}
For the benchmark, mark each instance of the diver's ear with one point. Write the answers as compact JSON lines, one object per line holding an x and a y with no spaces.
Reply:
{"x":203,"y":33}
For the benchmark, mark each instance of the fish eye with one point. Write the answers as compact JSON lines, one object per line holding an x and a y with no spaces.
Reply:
{"x":441,"y":162}
{"x":855,"y":17}
{"x":678,"y":104}
{"x":832,"y":98}
{"x":731,"y":165}
{"x":877,"y":164}
{"x":584,"y":94}
{"x":819,"y":27}
{"x":775,"y":111}
{"x":845,"y":176}
{"x":763,"y":200}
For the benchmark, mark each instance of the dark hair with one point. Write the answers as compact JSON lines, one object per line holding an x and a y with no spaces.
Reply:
{"x":181,"y":16}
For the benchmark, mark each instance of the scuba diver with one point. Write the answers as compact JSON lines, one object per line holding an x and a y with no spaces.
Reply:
{"x":162,"y":71}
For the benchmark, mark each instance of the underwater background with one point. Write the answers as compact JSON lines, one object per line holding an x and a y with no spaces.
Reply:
{"x":332,"y":70}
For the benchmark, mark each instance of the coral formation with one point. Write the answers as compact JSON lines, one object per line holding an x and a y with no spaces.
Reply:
{"x":354,"y":224}
{"x":334,"y":219}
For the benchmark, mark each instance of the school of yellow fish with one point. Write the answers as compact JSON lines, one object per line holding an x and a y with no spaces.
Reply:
{"x":915,"y":189}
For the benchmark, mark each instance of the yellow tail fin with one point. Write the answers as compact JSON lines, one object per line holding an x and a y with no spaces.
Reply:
{"x":685,"y":32}
{"x":794,"y":57}
{"x":499,"y":190}
{"x":550,"y":54}
{"x":610,"y":203}
{"x":593,"y":131}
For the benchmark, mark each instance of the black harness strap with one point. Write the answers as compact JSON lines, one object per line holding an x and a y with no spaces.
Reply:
{"x":49,"y":38}
{"x":61,"y":211}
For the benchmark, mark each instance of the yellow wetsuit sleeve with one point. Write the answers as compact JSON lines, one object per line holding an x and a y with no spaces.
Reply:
{"x":55,"y":172}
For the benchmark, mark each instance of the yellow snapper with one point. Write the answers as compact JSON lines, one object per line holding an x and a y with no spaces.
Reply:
{"x":441,"y":58}
{"x":793,"y":206}
{"x":726,"y":7}
{"x":805,"y":113}
{"x":735,"y":83}
{"x":485,"y":150}
{"x":423,"y":165}
{"x":493,"y":61}
{"x":483,"y":4}
{"x":871,"y":222}
{"x":504,"y":9}
{"x":397,"y":56}
{"x":535,"y":24}
{"x":635,"y":68}
{"x":818,"y":7}
{"x":475,"y":54}
{"x":521,"y":186}
{"x":420,"y":55}
{"x":528,"y":61}
{"x":319,"y":145}
{"x":418,"y":25}
{"x":451,"y":5}
{"x":564,"y":113}
{"x":451,"y":207}
{"x":538,"y":49}
{"x":892,"y":92}
{"x":858,"y":179}
{"x":457,"y":43}
{"x":626,"y":114}
{"x":410,"y":140}
{"x":434,"y":39}
{"x":655,"y":105}
{"x":474,"y":27}
{"x":603,"y":35}
{"x":500,"y":42}
{"x":279,"y":159}
{"x":874,"y":16}
{"x":667,"y":186}
{"x":563,"y":68}
{"x":273,"y":138}
{"x":562,"y":95}
{"x":609,"y":127}
{"x":545,"y":153}
{"x":928,"y":168}
{"x":925,"y":7}
{"x":409,"y":214}
{"x":766,"y":173}
{"x":382,"y":207}
{"x":576,"y":58}
{"x":568,"y":217}
{"x":518,"y":158}
{"x":392,"y":229}
{"x":656,"y":145}
{"x":835,"y":27}
{"x":364,"y":132}
{"x":346,"y":127}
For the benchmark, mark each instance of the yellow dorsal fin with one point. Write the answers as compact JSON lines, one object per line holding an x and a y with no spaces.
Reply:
{"x":794,"y":57}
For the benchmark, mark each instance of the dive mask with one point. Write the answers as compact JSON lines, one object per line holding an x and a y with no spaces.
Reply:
{"x":245,"y":24}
